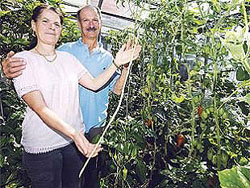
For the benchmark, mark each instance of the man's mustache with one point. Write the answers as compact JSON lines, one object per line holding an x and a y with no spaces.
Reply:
{"x":91,"y":29}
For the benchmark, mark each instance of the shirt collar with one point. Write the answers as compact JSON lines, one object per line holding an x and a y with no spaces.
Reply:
{"x":85,"y":46}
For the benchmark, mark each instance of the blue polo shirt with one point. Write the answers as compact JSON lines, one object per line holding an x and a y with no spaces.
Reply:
{"x":94,"y":104}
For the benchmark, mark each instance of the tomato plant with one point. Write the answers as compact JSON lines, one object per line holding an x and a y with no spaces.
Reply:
{"x":187,"y":84}
{"x":193,"y":79}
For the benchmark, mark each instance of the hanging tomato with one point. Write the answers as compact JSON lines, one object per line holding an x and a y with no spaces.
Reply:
{"x":180,"y":140}
{"x":199,"y":110}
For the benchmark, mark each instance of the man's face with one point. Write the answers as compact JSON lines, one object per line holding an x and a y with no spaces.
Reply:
{"x":90,"y":23}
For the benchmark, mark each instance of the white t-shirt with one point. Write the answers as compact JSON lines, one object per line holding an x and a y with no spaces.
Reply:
{"x":58,"y":83}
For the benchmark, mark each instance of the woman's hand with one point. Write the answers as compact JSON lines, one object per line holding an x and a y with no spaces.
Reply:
{"x":84,"y":146}
{"x":127,"y":53}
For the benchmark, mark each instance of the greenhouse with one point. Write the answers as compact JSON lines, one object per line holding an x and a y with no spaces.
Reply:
{"x":125,"y":93}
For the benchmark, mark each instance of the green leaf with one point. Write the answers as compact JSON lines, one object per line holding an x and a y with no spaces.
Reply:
{"x":124,"y":172}
{"x":141,"y":170}
{"x":236,"y":50}
{"x":177,"y":99}
{"x":242,"y":74}
{"x":2,"y":13}
{"x":234,"y":42}
{"x":237,"y":177}
{"x":134,"y":152}
{"x":246,"y":98}
{"x":1,"y":160}
{"x":22,"y":41}
{"x":199,"y":22}
{"x":96,"y":139}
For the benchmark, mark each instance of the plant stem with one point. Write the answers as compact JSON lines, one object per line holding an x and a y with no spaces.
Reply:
{"x":193,"y":125}
{"x":215,"y":75}
{"x":244,"y":61}
{"x":229,"y":97}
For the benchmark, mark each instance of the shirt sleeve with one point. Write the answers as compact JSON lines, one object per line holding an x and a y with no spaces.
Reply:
{"x":26,"y":82}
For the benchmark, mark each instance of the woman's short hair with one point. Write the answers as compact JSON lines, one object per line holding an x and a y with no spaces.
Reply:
{"x":40,"y":8}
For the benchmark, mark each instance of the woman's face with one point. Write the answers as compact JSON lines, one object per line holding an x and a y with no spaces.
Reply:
{"x":47,"y":27}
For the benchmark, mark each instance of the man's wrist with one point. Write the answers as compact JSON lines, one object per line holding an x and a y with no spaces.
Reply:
{"x":125,"y":68}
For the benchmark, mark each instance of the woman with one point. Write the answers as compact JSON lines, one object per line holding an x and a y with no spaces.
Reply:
{"x":49,"y":86}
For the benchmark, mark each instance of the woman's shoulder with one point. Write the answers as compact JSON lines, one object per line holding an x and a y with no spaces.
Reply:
{"x":67,"y":59}
{"x":30,"y":57}
{"x":22,"y":54}
{"x":26,"y":55}
{"x":64,"y":54}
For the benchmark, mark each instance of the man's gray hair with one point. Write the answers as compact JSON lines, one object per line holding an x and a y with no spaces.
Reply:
{"x":89,"y":6}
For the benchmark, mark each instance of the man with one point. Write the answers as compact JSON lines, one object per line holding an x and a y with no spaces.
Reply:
{"x":96,"y":59}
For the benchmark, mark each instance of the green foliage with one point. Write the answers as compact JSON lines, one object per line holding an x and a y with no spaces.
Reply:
{"x":123,"y":143}
{"x":189,"y":80}
{"x":15,"y":30}
{"x":16,"y":33}
{"x":185,"y":65}
{"x":11,"y":119}
{"x":237,"y":177}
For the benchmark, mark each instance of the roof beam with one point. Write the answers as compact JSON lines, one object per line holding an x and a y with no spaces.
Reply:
{"x":100,"y":4}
